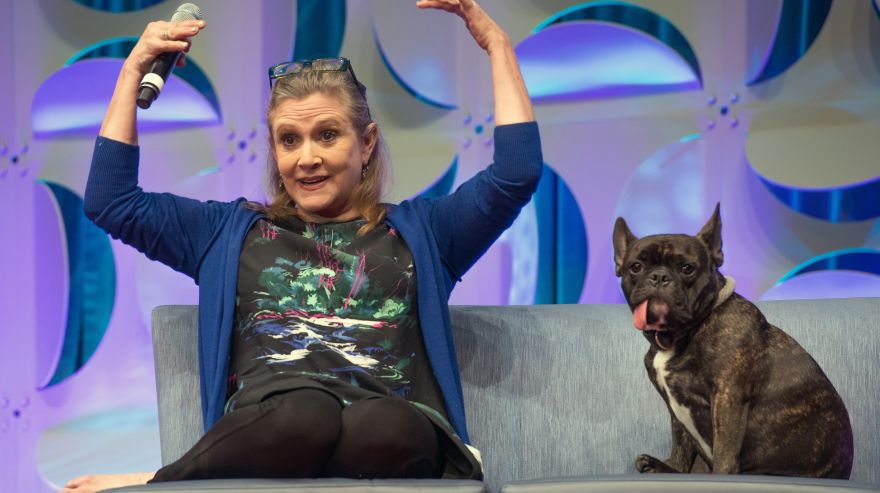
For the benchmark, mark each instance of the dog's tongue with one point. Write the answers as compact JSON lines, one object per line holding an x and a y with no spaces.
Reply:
{"x":640,"y":316}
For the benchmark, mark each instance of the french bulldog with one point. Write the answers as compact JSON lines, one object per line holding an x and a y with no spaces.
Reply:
{"x":744,"y":397}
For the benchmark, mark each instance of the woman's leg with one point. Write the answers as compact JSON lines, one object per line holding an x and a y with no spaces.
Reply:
{"x":287,"y":435}
{"x":385,"y":437}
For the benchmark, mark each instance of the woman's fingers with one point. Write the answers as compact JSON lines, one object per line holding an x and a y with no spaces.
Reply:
{"x":483,"y":29}
{"x":77,"y":481}
{"x":181,"y":30}
{"x":99,"y":482}
{"x":453,"y":6}
{"x":168,"y":36}
{"x":77,"y":485}
{"x":161,"y":37}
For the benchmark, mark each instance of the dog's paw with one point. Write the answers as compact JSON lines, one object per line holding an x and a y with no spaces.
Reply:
{"x":647,"y":464}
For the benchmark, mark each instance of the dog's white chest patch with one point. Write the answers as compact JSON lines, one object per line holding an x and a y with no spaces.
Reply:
{"x":681,"y":412}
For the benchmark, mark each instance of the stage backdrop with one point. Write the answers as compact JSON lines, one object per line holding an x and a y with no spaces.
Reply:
{"x":653,"y":110}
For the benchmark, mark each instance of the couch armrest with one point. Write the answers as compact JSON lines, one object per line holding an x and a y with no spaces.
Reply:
{"x":177,"y":378}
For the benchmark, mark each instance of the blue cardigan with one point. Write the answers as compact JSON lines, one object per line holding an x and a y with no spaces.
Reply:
{"x":203,"y":240}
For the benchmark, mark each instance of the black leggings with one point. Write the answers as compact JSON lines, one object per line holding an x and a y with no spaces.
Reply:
{"x":306,"y":433}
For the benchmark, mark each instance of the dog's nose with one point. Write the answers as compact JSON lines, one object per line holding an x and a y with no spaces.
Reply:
{"x":661,"y":277}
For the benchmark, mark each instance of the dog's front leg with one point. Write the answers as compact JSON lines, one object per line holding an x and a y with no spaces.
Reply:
{"x":730,"y":411}
{"x":681,"y":459}
{"x":684,"y":448}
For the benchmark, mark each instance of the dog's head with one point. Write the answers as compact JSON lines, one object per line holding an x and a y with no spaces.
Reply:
{"x":671,"y":281}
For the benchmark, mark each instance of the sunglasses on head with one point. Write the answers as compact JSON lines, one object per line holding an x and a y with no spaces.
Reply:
{"x":287,"y":69}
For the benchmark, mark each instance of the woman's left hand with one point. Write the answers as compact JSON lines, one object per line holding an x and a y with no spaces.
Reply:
{"x":98,"y":482}
{"x":483,"y":29}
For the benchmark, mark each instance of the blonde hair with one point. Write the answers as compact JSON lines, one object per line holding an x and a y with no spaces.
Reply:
{"x":338,"y":85}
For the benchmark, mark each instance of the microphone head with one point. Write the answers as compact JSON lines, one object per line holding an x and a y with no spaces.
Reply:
{"x":187,"y":12}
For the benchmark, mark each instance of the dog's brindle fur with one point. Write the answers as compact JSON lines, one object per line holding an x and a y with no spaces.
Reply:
{"x":756,"y":397}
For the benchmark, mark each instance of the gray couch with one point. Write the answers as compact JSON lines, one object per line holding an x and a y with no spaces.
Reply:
{"x":558,"y":400}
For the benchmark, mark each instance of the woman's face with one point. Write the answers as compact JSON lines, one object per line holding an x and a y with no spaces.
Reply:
{"x":320,"y":156}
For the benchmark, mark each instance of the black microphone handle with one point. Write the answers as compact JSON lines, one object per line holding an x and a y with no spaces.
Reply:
{"x":154,"y":81}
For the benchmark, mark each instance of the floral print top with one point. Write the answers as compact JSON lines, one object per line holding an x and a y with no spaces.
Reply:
{"x":319,"y":306}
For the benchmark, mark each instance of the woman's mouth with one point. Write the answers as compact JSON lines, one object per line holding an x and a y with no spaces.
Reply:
{"x":312,"y":183}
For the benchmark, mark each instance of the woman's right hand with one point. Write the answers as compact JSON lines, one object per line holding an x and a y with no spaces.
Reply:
{"x":161,"y":37}
{"x":120,"y":121}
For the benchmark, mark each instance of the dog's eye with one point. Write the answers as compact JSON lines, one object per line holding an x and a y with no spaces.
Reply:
{"x":635,"y":267}
{"x":687,"y":269}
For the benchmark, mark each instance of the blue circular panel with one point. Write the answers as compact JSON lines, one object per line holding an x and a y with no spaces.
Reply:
{"x":607,"y":49}
{"x":593,"y":60}
{"x":73,"y":101}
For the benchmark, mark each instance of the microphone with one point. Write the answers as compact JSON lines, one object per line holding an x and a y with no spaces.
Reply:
{"x":153,"y":82}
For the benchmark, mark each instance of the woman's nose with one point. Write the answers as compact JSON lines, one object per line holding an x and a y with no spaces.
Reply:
{"x":309,"y":155}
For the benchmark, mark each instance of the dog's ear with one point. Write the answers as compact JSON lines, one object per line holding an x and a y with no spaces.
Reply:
{"x":623,"y":239}
{"x":710,"y":235}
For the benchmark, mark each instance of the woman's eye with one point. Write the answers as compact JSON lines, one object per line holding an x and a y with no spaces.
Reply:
{"x":688,"y":269}
{"x":328,"y":135}
{"x":288,"y":140}
{"x":635,"y":267}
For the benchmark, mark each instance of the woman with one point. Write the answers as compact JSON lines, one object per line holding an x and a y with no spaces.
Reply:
{"x":324,"y":336}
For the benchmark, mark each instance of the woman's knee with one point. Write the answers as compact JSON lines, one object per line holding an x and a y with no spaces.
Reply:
{"x":306,"y":418}
{"x":386,"y":437}
{"x":389,"y":419}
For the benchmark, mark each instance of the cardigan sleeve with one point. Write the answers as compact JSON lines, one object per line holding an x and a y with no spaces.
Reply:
{"x":467,"y":222}
{"x":171,"y":229}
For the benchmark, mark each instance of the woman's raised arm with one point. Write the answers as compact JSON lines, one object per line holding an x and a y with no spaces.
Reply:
{"x":120,"y":121}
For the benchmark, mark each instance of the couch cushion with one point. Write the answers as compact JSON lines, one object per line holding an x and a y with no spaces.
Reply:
{"x":308,"y":486}
{"x":688,"y":483}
